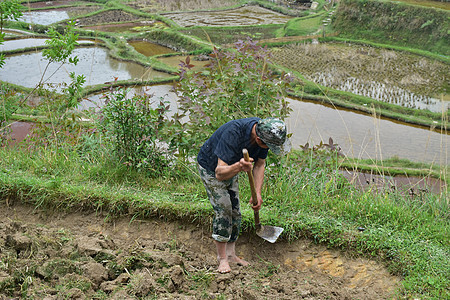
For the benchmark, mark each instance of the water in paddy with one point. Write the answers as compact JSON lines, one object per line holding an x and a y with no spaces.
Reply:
{"x":149,"y":49}
{"x":95,"y":64}
{"x":128,"y":27}
{"x":358,"y":135}
{"x":247,"y":15}
{"x":385,"y":75}
{"x":9,"y":45}
{"x":44,"y":17}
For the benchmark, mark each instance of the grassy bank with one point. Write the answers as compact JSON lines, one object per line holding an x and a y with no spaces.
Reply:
{"x":394,"y":22}
{"x":407,"y":233}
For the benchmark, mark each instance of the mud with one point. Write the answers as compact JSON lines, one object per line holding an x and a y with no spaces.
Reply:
{"x":80,"y":255}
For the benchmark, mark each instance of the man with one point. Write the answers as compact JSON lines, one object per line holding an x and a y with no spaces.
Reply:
{"x":220,"y":160}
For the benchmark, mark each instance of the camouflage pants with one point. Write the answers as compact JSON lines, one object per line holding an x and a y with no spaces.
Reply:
{"x":224,"y":197}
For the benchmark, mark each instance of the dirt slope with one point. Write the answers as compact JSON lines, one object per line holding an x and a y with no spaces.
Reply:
{"x":80,"y":256}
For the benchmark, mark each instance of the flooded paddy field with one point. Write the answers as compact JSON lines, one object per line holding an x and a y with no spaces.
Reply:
{"x":243,"y":16}
{"x":29,"y":42}
{"x":149,"y":49}
{"x":128,"y":27}
{"x":51,"y":16}
{"x":95,"y":64}
{"x":180,"y":5}
{"x":229,"y":35}
{"x":385,"y":75}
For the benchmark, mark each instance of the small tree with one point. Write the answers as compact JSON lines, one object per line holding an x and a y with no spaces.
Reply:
{"x":236,"y":84}
{"x":134,"y":126}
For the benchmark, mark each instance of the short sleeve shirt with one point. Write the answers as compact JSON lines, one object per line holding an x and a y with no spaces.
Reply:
{"x":227,"y":144}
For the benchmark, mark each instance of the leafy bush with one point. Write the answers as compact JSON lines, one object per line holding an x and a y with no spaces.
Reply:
{"x":134,"y":126}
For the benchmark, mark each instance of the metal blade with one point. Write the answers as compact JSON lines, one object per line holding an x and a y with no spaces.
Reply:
{"x":269,"y":233}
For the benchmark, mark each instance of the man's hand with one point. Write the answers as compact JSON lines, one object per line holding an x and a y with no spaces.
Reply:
{"x":225,"y":171}
{"x":246,"y":166}
{"x":257,"y":206}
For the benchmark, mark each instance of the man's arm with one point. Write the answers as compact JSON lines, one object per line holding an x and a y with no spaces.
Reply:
{"x":258,"y":176}
{"x":225,"y":171}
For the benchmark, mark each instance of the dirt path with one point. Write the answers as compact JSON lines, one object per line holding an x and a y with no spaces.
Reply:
{"x":80,"y":256}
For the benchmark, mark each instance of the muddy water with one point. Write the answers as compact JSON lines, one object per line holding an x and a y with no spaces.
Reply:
{"x":150,"y":49}
{"x":174,"y":61}
{"x":95,"y":64}
{"x":247,"y":15}
{"x":358,"y":135}
{"x":128,"y":27}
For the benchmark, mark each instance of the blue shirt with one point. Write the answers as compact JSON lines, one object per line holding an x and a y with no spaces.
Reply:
{"x":227,"y":144}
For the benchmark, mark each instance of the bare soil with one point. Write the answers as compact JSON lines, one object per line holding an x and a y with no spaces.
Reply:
{"x":81,"y":255}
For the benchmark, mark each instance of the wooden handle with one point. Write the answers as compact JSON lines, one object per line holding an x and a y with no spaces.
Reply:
{"x":252,"y":187}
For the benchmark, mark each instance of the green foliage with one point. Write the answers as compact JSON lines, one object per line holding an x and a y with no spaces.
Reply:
{"x":398,"y":23}
{"x":10,"y":9}
{"x":236,"y":84}
{"x":134,"y":126}
{"x":61,"y":45}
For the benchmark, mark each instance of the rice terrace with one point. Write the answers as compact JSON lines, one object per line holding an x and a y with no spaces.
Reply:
{"x":105,"y":105}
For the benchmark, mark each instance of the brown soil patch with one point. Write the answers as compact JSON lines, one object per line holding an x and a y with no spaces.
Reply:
{"x":79,"y":255}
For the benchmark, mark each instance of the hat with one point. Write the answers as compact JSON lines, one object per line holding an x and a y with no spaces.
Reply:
{"x":272,"y":132}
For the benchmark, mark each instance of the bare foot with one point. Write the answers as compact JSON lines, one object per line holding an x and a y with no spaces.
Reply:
{"x":238,"y":260}
{"x":224,"y":267}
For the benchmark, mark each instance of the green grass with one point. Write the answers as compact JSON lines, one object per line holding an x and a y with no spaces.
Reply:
{"x":409,"y":234}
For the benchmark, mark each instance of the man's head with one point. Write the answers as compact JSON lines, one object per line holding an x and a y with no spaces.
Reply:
{"x":272,"y":132}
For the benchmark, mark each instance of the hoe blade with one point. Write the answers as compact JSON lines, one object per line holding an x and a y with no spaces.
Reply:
{"x":269,"y":233}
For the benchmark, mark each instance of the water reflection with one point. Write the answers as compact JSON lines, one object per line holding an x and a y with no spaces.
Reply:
{"x":30,"y":42}
{"x":247,"y":15}
{"x":94,"y":62}
{"x":358,"y":135}
{"x":363,"y":136}
{"x":44,"y":17}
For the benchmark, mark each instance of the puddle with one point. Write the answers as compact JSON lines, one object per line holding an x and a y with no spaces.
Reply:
{"x":128,"y":27}
{"x":26,"y":69}
{"x":247,"y":15}
{"x":403,"y":184}
{"x":16,"y":44}
{"x":150,"y":49}
{"x":44,"y":17}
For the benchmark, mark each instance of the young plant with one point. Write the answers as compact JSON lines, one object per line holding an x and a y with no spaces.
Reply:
{"x":134,"y":127}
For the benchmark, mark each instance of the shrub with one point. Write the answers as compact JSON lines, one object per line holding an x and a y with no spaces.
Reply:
{"x":134,"y":127}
